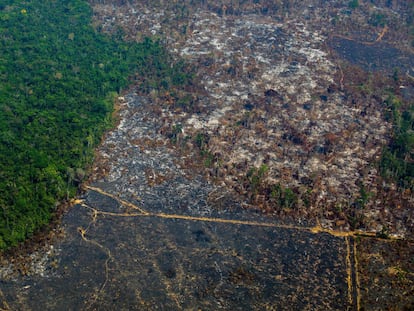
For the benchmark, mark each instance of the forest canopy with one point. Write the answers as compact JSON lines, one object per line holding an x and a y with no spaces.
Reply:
{"x":58,"y":79}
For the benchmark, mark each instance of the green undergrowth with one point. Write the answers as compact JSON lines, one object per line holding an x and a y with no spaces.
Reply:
{"x":397,"y":162}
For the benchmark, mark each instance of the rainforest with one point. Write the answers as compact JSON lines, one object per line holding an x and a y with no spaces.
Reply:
{"x":58,"y":80}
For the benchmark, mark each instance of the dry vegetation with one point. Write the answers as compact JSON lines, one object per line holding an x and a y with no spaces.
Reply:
{"x":274,"y":114}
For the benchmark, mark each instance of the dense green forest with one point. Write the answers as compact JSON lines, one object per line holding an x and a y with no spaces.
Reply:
{"x":58,"y":79}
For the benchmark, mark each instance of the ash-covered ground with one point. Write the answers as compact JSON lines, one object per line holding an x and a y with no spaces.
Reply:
{"x":274,"y":112}
{"x":173,"y":218}
{"x":146,"y":236}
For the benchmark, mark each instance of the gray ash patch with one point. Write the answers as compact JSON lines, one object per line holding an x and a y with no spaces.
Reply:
{"x":144,"y":169}
{"x":150,"y":263}
{"x":374,"y":57}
